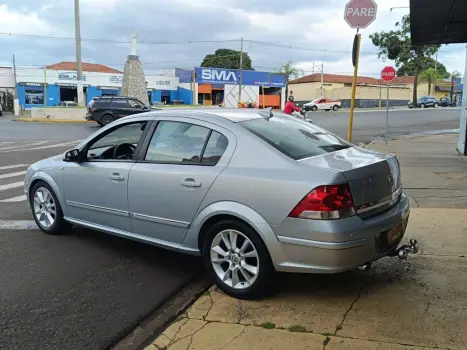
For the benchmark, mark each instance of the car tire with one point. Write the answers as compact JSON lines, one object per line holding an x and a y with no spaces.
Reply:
{"x":335,"y":108}
{"x":249,"y":285}
{"x":314,"y":108}
{"x":43,"y":198}
{"x":107,"y":119}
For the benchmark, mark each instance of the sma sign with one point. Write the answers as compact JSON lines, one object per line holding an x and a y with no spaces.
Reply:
{"x":216,"y":76}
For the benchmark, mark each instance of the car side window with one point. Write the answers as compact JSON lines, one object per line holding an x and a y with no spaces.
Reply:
{"x":177,"y":143}
{"x":135,"y":104}
{"x":120,"y":103}
{"x":118,"y":144}
{"x":215,"y":148}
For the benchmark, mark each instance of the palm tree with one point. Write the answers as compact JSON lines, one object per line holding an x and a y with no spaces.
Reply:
{"x":431,"y":76}
{"x":290,"y":72}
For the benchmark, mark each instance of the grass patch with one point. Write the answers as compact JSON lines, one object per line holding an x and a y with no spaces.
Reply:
{"x":297,"y":328}
{"x":326,"y":341}
{"x":268,"y":325}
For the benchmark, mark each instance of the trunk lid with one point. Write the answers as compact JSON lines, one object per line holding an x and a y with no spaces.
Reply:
{"x":374,"y":178}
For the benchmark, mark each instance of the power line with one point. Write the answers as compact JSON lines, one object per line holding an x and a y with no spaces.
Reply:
{"x":147,"y":42}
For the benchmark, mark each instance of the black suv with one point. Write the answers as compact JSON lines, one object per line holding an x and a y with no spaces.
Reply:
{"x":106,"y":109}
{"x":425,"y":101}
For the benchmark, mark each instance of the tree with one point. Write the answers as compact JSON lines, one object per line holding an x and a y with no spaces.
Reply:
{"x":430,"y":76}
{"x":289,"y":71}
{"x":227,"y":58}
{"x":397,"y":46}
{"x":408,"y":69}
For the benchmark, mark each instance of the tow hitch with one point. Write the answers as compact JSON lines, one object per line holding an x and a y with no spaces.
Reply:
{"x":404,"y":250}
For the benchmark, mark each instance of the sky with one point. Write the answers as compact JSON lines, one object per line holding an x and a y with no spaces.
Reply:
{"x":306,"y":32}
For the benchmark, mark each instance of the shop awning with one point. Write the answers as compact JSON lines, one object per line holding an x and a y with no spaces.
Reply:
{"x":438,"y":21}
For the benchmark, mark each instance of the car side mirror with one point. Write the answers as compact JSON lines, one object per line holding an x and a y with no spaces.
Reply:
{"x":72,"y":156}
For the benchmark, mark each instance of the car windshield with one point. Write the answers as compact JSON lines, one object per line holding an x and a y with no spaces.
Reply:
{"x":293,"y":137}
{"x":315,"y":100}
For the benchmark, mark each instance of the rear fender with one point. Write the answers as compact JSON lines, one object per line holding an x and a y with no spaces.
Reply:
{"x":240,"y":211}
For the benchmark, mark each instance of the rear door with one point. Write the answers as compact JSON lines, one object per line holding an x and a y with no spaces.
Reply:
{"x":179,"y":162}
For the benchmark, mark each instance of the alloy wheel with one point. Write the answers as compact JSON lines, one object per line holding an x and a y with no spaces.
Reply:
{"x":45,"y":210}
{"x":235,"y":259}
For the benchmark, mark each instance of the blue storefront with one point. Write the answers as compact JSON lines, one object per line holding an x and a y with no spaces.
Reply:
{"x":32,"y":92}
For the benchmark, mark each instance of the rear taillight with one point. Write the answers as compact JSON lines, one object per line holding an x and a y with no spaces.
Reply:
{"x":325,"y":203}
{"x":91,"y":109}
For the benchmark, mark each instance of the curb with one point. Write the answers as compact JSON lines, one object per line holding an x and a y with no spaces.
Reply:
{"x":44,"y":120}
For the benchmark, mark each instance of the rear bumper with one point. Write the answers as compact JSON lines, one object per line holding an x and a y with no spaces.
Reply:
{"x":314,"y":246}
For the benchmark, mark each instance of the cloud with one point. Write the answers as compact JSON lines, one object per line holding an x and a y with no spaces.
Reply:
{"x":308,"y":31}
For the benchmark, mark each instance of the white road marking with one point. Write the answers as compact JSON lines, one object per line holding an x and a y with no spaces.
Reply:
{"x":14,"y":199}
{"x":12,"y":185}
{"x":44,"y":147}
{"x":24,"y":146}
{"x":18,"y":225}
{"x":13,"y":166}
{"x":18,"y":173}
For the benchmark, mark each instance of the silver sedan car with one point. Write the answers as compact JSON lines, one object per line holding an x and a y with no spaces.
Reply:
{"x":251,"y":191}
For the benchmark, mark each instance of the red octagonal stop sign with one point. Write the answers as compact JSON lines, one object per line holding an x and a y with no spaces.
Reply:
{"x":360,"y":13}
{"x":388,"y":74}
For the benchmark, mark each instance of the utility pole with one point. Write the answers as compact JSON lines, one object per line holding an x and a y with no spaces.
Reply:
{"x":14,"y":74}
{"x":79,"y":70}
{"x":241,"y":75}
{"x":45,"y":86}
{"x":16,"y":99}
{"x":322,"y":79}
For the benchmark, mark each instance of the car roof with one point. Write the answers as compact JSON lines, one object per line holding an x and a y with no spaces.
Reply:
{"x":205,"y":113}
{"x":233,"y":114}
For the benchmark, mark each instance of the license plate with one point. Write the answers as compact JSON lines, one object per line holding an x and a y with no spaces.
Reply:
{"x":394,"y":235}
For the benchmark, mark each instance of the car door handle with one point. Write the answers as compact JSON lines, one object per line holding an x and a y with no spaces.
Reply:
{"x":116,"y":177}
{"x":190,"y":183}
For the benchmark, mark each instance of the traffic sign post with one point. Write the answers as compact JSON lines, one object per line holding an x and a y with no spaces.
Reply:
{"x":358,"y":14}
{"x":388,"y":74}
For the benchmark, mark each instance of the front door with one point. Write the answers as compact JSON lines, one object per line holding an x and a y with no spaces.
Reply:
{"x":96,"y":188}
{"x":120,"y":107}
{"x":173,"y":176}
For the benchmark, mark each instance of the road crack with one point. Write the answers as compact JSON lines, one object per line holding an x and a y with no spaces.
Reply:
{"x":230,"y":341}
{"x":359,"y":295}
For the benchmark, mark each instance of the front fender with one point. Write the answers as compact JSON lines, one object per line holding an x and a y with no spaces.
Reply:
{"x":42,"y":175}
{"x":240,"y":211}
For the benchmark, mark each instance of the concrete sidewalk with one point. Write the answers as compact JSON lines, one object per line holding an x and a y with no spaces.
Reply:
{"x":416,"y":304}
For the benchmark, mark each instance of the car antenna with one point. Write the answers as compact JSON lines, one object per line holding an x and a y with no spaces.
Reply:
{"x":266,"y":113}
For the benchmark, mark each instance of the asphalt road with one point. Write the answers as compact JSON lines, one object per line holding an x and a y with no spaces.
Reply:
{"x":79,"y":290}
{"x":370,"y":124}
{"x":84,"y":289}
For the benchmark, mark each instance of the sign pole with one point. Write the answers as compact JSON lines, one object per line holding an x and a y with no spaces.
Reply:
{"x":354,"y":85}
{"x":387,"y":112}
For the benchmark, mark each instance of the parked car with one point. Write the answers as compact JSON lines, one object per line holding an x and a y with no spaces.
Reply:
{"x":251,"y":191}
{"x":324,"y":104}
{"x":106,"y":109}
{"x":444,"y":102}
{"x":1,"y":110}
{"x":425,"y":101}
{"x":68,"y":104}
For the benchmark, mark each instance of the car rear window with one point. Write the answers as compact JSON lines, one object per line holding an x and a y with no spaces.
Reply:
{"x":297,"y":139}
